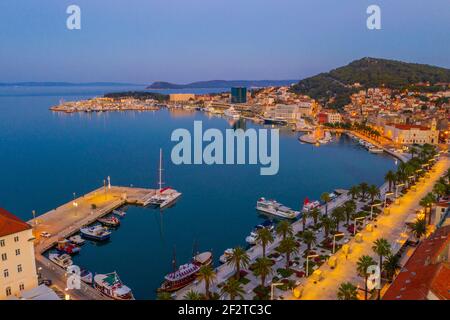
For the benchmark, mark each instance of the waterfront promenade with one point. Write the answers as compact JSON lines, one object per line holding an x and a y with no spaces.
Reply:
{"x":389,"y":227}
{"x":67,"y":219}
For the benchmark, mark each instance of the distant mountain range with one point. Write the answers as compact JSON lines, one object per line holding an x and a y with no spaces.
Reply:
{"x":221,"y":84}
{"x":339,"y":84}
{"x":66,"y":84}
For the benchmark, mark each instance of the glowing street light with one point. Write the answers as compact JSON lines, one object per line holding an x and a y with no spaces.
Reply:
{"x":334,"y":240}
{"x":354,"y":223}
{"x":307,"y":262}
{"x":371,"y":209}
{"x":385,"y":198}
{"x":396,"y":188}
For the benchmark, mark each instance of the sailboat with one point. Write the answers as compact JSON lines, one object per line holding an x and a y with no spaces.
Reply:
{"x":164,"y":196}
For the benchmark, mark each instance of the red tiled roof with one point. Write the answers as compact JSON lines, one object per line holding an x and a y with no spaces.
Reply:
{"x":409,"y":127}
{"x":10,"y":224}
{"x":422,"y":272}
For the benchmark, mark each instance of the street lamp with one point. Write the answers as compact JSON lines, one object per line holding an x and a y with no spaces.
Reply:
{"x":396,"y":188}
{"x":385,"y":198}
{"x":334,"y":240}
{"x":272,"y":286}
{"x":307,"y":262}
{"x":371,"y":209}
{"x":354,"y":223}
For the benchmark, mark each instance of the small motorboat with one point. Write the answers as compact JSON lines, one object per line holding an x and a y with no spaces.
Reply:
{"x":96,"y":232}
{"x":203,"y":259}
{"x":86,"y":276}
{"x":77,"y":239}
{"x":62,"y":260}
{"x":65,"y":246}
{"x":119,"y":213}
{"x":110,"y":221}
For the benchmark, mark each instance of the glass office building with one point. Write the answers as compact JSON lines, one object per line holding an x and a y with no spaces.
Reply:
{"x":238,"y":95}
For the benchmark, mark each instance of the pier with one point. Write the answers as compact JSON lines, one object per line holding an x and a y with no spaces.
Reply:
{"x":67,"y":220}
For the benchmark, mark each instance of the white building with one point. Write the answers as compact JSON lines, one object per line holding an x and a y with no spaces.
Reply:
{"x":334,"y":117}
{"x":288,"y":112}
{"x":410,"y":134}
{"x":17,"y":262}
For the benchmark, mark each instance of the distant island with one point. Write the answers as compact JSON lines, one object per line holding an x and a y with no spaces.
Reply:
{"x":66,"y":84}
{"x":222,"y":84}
{"x":333,"y":89}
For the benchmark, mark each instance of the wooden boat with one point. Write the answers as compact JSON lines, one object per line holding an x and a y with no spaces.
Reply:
{"x":65,"y":246}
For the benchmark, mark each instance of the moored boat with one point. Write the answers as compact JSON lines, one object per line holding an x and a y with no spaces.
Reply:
{"x":203,"y":259}
{"x":77,"y":239}
{"x":66,"y":246}
{"x":277,"y":209}
{"x":180,"y":278}
{"x":110,"y":221}
{"x":119,"y":213}
{"x":309,"y":205}
{"x":232,"y":113}
{"x":96,"y":232}
{"x":111,"y":286}
{"x":86,"y":276}
{"x":62,"y":260}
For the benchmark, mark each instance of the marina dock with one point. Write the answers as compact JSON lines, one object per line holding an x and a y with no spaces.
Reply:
{"x":67,"y":220}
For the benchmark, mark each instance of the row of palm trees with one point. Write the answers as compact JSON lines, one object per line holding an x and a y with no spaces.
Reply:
{"x":390,"y":265}
{"x":364,"y":191}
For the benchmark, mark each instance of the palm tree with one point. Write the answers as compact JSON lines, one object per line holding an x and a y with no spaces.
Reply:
{"x":347,"y":291}
{"x":239,"y":259}
{"x":314,"y":214}
{"x":354,"y":192}
{"x":208,"y":276}
{"x":390,"y":178}
{"x":362,"y":265}
{"x":373,"y":192}
{"x":363,"y":187}
{"x":305,"y":215}
{"x":327,"y":224}
{"x":192,"y":295}
{"x":164,"y":295}
{"x":349,"y":209}
{"x":325,"y":197}
{"x":309,"y":238}
{"x":338,"y":215}
{"x":284,"y":229}
{"x":288,"y":246}
{"x":383,"y":249}
{"x":391,"y":265}
{"x":419,"y":228}
{"x":440,"y":189}
{"x":264,"y":237}
{"x":263,"y":268}
{"x":233,"y":288}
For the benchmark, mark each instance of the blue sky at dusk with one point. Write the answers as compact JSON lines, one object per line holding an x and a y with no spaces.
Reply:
{"x":142,"y":41}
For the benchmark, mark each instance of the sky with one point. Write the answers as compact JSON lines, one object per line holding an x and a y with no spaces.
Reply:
{"x":141,"y":41}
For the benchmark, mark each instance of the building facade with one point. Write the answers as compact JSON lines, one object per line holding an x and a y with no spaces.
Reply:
{"x":181,"y":97}
{"x":17,"y":261}
{"x":411,"y":134}
{"x":238,"y":95}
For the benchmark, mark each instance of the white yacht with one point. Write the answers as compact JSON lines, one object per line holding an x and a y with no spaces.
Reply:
{"x":374,"y":149}
{"x":276,"y":209}
{"x":164,"y":196}
{"x":62,"y":260}
{"x":232,"y":113}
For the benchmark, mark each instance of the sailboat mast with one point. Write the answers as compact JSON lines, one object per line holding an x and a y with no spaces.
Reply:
{"x":160,"y":169}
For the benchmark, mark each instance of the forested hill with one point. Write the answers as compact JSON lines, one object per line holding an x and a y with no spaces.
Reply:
{"x":369,"y":73}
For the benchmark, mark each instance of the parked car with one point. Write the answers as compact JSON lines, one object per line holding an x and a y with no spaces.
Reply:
{"x":45,"y":234}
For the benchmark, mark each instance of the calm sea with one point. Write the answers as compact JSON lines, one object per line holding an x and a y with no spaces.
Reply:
{"x":45,"y":157}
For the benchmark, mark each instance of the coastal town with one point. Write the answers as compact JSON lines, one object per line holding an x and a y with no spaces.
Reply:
{"x":328,"y":249}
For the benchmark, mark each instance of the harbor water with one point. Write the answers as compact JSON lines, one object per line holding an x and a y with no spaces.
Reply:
{"x":46,"y":157}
